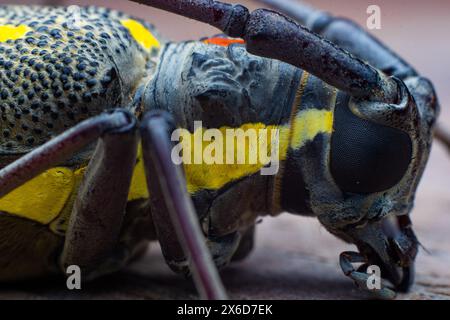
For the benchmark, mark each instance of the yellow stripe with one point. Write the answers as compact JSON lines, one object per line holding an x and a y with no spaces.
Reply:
{"x":308,"y":124}
{"x":276,"y":199}
{"x":43,"y":198}
{"x":298,"y":100}
{"x":9,"y":32}
{"x":214,"y":176}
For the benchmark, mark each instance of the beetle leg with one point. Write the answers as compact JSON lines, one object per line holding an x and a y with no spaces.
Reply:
{"x":58,"y":150}
{"x":167,"y":186}
{"x":272,"y":35}
{"x":246,"y":244}
{"x":98,"y":211}
{"x":361,"y":278}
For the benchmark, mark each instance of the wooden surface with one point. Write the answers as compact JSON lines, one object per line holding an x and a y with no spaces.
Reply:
{"x":295,"y":258}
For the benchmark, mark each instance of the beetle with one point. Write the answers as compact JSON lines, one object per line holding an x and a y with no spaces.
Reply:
{"x":90,"y":98}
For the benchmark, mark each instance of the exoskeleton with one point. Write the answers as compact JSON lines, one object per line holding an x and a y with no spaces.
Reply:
{"x":90,"y":99}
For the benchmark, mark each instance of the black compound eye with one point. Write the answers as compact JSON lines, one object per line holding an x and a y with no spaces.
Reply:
{"x":366,"y":157}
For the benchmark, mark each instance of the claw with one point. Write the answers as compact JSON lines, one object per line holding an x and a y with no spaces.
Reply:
{"x":346,"y":261}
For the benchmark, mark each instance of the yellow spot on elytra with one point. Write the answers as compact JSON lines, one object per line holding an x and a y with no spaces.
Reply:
{"x":141,"y":34}
{"x":308,"y":124}
{"x":10,"y":32}
{"x":42,"y":198}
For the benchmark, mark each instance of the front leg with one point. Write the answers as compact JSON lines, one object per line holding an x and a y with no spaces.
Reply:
{"x":230,"y":230}
{"x":96,"y":220}
{"x":235,"y":246}
{"x":98,"y":211}
{"x":176,"y":222}
{"x":58,"y":150}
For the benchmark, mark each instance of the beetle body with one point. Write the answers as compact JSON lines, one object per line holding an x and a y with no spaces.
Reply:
{"x":72,"y":71}
{"x":60,"y":66}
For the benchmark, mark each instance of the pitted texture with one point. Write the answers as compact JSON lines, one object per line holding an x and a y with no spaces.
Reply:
{"x":59,"y":66}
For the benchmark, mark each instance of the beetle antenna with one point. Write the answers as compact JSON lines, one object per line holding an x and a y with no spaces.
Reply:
{"x":424,"y":248}
{"x":271,"y":35}
{"x":442,"y":135}
{"x":299,"y":11}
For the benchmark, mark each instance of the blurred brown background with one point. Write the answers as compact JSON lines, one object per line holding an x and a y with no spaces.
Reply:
{"x":295,"y":258}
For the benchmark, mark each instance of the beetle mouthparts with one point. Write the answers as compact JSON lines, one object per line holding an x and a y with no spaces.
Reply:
{"x":388,"y":243}
{"x":396,"y":252}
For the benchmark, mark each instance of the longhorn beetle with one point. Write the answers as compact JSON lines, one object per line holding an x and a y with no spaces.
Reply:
{"x":80,"y":88}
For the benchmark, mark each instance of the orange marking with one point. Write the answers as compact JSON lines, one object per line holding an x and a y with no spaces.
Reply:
{"x":224,"y":42}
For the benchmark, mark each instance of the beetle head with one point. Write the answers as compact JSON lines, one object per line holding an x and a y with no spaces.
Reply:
{"x":377,"y":156}
{"x":388,"y":242}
